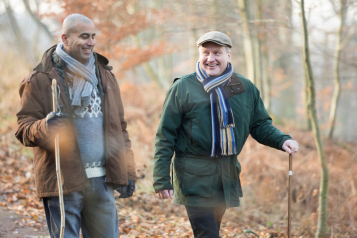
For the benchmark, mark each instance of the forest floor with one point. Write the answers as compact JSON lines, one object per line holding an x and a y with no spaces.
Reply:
{"x":144,"y":215}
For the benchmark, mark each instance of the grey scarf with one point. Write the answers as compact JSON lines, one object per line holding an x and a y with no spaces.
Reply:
{"x":83,"y":77}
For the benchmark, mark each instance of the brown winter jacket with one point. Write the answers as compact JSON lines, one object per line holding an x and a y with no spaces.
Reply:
{"x":36,"y":103}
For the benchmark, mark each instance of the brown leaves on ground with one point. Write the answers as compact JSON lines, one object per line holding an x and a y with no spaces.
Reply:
{"x":17,"y":188}
{"x":145,"y":215}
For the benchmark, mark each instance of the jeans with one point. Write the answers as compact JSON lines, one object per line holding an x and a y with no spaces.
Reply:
{"x":205,"y":221}
{"x":92,"y":209}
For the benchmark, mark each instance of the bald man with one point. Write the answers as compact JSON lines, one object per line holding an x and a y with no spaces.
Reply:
{"x":95,"y":149}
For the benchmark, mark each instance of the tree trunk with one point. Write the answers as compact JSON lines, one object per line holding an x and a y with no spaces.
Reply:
{"x":321,"y":226}
{"x":193,"y":37}
{"x":162,"y":65}
{"x":258,"y":66}
{"x":248,"y":42}
{"x":162,"y":71}
{"x":286,"y":63}
{"x":266,"y":76}
{"x":306,"y":103}
{"x":168,"y":63}
{"x":150,"y":73}
{"x":336,"y":94}
{"x":214,"y":9}
{"x":266,"y":67}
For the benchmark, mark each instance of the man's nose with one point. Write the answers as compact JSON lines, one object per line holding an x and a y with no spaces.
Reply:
{"x":90,"y":42}
{"x":211,"y":57}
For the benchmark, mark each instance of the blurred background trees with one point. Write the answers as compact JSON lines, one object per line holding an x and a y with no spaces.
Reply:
{"x":151,"y":42}
{"x":155,"y":41}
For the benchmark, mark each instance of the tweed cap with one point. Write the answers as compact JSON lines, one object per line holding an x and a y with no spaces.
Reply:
{"x":216,"y":37}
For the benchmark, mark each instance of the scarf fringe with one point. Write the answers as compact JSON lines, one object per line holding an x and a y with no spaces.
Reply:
{"x":224,"y":143}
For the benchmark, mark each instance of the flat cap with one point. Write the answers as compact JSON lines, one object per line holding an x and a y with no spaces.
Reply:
{"x":216,"y":37}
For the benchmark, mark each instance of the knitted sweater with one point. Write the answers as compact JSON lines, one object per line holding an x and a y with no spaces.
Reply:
{"x":89,"y":127}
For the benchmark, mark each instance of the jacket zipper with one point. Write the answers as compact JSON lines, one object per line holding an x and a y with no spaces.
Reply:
{"x":105,"y":123}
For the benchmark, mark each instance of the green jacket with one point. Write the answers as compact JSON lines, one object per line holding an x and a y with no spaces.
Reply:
{"x":185,"y":128}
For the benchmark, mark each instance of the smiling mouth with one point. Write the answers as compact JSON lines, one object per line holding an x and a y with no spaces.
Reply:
{"x":87,"y":51}
{"x":211,"y":65}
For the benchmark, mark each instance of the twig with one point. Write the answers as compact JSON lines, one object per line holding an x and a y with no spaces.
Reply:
{"x":250,"y":231}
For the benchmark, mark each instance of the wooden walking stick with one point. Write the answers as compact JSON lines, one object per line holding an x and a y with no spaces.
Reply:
{"x":57,"y":155}
{"x":290,"y":193}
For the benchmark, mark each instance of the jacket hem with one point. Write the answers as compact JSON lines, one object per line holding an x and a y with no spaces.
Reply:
{"x":288,"y":138}
{"x":162,"y":189}
{"x":118,"y":182}
{"x":65,"y":192}
{"x":235,"y":203}
{"x":131,"y":177}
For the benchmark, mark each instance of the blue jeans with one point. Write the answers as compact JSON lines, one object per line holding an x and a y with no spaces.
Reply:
{"x":92,"y":209}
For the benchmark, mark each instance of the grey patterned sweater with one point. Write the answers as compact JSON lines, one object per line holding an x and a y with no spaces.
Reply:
{"x":89,"y":127}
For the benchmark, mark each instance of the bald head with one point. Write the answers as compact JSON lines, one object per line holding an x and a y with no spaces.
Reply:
{"x":78,"y":33}
{"x":70,"y":22}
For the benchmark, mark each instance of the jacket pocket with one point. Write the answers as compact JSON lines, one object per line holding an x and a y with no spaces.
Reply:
{"x":200,"y":177}
{"x":193,"y":130}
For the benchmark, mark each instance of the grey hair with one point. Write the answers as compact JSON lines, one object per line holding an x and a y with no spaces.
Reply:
{"x":70,"y":21}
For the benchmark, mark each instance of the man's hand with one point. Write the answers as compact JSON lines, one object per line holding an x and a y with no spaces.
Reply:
{"x":128,"y":190}
{"x":290,"y":146}
{"x":164,"y":194}
{"x":55,"y":121}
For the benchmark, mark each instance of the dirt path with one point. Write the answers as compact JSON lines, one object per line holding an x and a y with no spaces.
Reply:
{"x":9,"y":229}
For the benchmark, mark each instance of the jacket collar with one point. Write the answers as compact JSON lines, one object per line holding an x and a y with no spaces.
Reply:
{"x":234,"y":87}
{"x":46,"y":64}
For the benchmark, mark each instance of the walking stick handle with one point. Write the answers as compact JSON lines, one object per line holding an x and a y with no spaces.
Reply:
{"x":290,"y":193}
{"x":57,"y":156}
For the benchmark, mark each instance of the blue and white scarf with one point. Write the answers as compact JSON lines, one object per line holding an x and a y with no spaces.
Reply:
{"x":223,"y":142}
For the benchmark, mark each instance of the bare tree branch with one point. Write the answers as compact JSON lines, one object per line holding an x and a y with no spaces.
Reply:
{"x":20,"y":41}
{"x":37,"y":19}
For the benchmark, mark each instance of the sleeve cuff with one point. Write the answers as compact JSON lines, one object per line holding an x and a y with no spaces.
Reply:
{"x":281,"y":146}
{"x":162,"y":189}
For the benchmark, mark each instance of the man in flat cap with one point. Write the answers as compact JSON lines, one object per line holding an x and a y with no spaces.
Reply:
{"x":206,"y":119}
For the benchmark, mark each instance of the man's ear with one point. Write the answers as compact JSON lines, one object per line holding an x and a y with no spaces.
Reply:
{"x":64,"y":38}
{"x":229,"y":57}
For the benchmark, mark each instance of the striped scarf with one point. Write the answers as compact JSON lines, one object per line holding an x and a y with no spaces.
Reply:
{"x":83,"y":77}
{"x":223,"y":142}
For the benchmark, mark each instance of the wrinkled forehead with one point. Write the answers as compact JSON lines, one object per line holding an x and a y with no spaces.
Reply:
{"x":211,"y":46}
